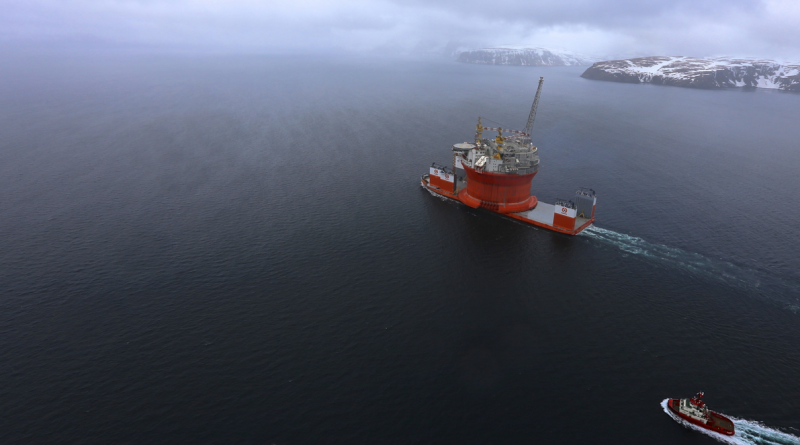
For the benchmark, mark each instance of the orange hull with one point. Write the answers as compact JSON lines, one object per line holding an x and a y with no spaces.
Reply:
{"x":448,"y":193}
{"x":498,"y":192}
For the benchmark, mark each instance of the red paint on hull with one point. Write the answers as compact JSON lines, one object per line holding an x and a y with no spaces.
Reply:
{"x":441,"y":183}
{"x":473,"y":202}
{"x":502,"y":193}
{"x":692,"y":420}
{"x":563,"y":221}
{"x":449,"y":194}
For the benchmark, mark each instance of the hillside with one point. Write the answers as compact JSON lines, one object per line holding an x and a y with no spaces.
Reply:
{"x":699,"y":73}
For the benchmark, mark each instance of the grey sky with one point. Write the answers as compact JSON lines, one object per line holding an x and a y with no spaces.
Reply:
{"x":763,"y":28}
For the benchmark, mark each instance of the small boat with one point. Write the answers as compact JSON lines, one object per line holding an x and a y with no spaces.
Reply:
{"x":696,"y":412}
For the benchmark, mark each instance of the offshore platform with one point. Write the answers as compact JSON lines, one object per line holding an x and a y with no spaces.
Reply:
{"x":496,"y":174}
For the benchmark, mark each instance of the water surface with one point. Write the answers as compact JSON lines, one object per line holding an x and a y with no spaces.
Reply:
{"x":237,"y":250}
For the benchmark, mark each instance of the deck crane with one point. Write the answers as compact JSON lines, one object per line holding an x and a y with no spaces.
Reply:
{"x":526,"y":134}
{"x":523,"y":136}
{"x":532,"y":116}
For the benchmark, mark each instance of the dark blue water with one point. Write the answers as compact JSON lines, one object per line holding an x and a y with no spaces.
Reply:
{"x":237,"y":250}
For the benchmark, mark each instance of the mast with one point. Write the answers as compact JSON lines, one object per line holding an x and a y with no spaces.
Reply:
{"x":532,"y":116}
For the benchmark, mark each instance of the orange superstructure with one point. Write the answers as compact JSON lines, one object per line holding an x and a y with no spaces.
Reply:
{"x":441,"y":179}
{"x":564,"y":214}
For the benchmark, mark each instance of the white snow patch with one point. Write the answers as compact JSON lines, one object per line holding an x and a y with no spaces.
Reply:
{"x":655,"y":69}
{"x":766,"y":82}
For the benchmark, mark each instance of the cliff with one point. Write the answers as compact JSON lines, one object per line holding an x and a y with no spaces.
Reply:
{"x":523,"y":56}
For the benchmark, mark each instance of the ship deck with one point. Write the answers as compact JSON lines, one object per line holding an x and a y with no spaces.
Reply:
{"x":543,"y":213}
{"x":721,"y":422}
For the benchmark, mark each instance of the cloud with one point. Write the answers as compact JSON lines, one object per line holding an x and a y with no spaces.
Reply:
{"x":766,"y":28}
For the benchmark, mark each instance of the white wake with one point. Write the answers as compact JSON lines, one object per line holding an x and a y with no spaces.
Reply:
{"x":748,"y":432}
{"x":695,"y":263}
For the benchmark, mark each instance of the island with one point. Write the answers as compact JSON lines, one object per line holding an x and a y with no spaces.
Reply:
{"x":524,"y":56}
{"x":708,"y":73}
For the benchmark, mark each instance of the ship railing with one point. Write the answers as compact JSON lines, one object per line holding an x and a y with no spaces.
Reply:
{"x":565,"y":203}
{"x":444,"y":168}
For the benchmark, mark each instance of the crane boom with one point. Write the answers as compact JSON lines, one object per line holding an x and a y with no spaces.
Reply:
{"x":532,"y":116}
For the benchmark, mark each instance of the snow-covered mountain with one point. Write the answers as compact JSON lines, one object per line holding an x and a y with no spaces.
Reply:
{"x":699,"y":73}
{"x":523,"y":56}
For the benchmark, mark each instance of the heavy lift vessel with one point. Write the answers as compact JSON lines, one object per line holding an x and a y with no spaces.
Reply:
{"x":496,"y":175}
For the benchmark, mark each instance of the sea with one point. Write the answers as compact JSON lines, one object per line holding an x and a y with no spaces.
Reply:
{"x":235,"y":249}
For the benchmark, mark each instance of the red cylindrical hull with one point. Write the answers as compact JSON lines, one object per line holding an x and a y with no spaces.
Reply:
{"x":504,"y":193}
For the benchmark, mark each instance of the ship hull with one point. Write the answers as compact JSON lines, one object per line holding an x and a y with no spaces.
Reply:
{"x":501,"y":193}
{"x":532,"y":217}
{"x":718,"y":423}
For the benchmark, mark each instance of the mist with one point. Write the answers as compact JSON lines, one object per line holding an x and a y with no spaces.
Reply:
{"x":608,"y":29}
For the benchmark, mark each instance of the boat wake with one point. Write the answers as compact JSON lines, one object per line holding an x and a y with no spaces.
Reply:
{"x":695,"y":263}
{"x":748,"y":432}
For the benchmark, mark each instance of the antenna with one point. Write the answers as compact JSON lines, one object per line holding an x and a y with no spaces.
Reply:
{"x":532,"y":116}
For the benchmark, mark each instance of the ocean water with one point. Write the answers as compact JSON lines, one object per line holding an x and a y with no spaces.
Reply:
{"x":237,"y":250}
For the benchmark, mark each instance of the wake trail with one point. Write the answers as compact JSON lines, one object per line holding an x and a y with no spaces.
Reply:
{"x":698,"y":264}
{"x":748,"y":432}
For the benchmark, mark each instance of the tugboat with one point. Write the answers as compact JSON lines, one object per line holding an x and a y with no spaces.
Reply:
{"x":694,"y":411}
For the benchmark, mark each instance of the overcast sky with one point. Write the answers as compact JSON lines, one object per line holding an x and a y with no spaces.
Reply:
{"x":619,"y":28}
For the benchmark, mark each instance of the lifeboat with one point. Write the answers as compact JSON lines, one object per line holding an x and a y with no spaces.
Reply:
{"x":696,"y":412}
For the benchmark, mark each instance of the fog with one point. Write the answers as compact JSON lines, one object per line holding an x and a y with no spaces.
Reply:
{"x":608,"y":29}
